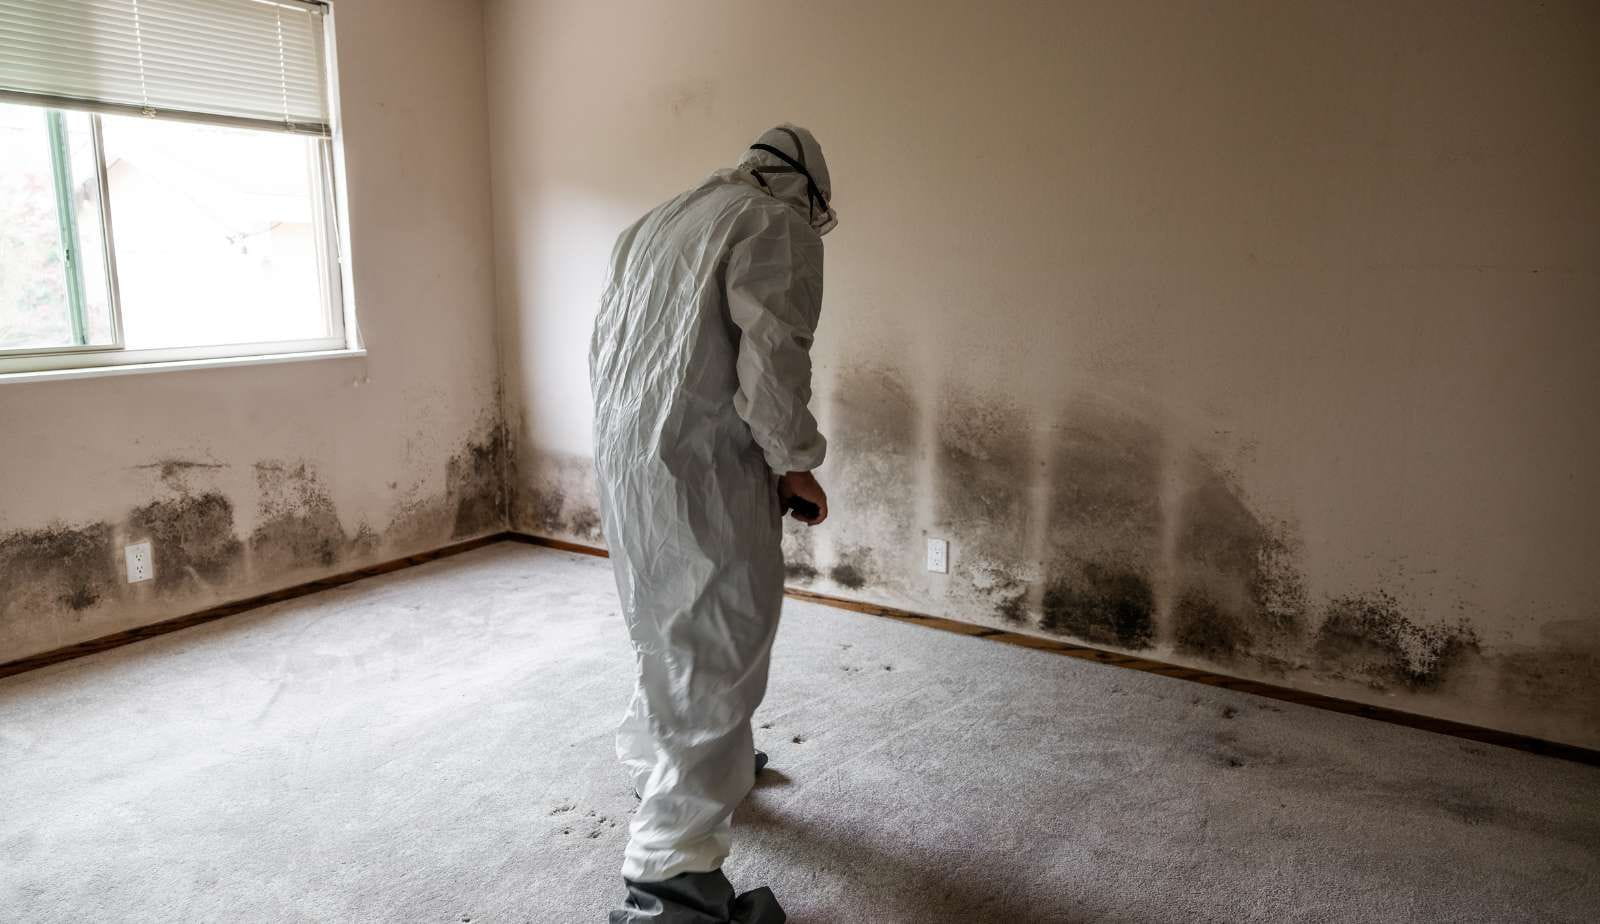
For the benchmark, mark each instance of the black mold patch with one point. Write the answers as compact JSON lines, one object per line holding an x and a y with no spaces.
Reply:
{"x":854,"y":568}
{"x":366,"y":542}
{"x":1202,"y":628}
{"x":55,"y":568}
{"x":557,"y":498}
{"x":1557,"y":679}
{"x":1101,"y":606}
{"x":173,"y":472}
{"x":799,"y":557}
{"x":192,"y":539}
{"x":1013,"y":608}
{"x":1239,"y":588}
{"x":477,"y":484}
{"x":1105,"y":526}
{"x":847,"y":576}
{"x":299,"y":526}
{"x":986,"y":473}
{"x":1370,"y":638}
{"x":872,"y":463}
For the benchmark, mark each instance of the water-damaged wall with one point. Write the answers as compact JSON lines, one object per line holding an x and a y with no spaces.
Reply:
{"x":253,"y":478}
{"x":1255,"y":336}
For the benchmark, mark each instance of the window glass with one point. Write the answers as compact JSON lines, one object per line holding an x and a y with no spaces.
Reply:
{"x":215,"y":232}
{"x":53,"y":286}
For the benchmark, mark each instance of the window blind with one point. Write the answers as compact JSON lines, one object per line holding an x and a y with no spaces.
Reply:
{"x":256,"y":62}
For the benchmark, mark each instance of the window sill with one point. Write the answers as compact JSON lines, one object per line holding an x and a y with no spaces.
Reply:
{"x":180,"y":365}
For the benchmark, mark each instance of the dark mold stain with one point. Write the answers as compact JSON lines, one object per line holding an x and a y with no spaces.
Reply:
{"x":477,"y":499}
{"x":585,"y":522}
{"x":476,"y":479}
{"x":1105,"y":526}
{"x":1368,"y":636}
{"x":847,"y":576}
{"x":1557,"y":679}
{"x":1101,"y":606}
{"x":558,"y":499}
{"x":984,"y":463}
{"x":799,"y":557}
{"x":1239,"y":589}
{"x":986,"y":471}
{"x":871,"y":481}
{"x":172,"y":471}
{"x":192,"y":540}
{"x":299,"y":526}
{"x":57,"y":567}
{"x":854,"y":569}
{"x":366,"y":542}
{"x":1202,"y":628}
{"x":1013,"y":607}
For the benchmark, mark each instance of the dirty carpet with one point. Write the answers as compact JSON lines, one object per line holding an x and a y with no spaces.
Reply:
{"x":435,"y":746}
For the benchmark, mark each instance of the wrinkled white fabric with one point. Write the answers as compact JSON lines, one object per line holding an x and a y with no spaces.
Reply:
{"x":701,"y":375}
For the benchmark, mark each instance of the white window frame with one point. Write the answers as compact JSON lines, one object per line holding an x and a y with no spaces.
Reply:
{"x":330,"y":224}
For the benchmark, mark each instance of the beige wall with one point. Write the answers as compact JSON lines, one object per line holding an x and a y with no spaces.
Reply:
{"x":1257,"y":336}
{"x":248,"y":479}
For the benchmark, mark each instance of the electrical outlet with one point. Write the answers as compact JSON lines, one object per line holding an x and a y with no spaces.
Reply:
{"x":938,"y":556}
{"x":141,"y":567}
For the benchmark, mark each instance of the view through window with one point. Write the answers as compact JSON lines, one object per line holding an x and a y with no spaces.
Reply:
{"x":166,"y":187}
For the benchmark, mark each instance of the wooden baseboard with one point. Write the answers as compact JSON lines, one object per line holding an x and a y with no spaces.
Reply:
{"x":1020,"y":639}
{"x":561,"y":544}
{"x":1196,"y":675}
{"x":210,"y":614}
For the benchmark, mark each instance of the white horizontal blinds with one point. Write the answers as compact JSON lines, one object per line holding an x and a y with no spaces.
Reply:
{"x":240,"y":61}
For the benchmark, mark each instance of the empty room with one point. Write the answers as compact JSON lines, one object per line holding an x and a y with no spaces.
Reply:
{"x":712,"y":462}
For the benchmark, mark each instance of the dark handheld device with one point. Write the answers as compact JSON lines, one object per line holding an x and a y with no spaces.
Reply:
{"x":806,"y":509}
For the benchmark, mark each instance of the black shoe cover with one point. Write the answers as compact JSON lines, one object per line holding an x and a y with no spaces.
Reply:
{"x":696,"y":898}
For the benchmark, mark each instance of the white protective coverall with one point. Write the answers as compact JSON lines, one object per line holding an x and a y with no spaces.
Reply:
{"x":701,"y":374}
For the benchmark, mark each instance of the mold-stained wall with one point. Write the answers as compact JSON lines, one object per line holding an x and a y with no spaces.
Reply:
{"x":1253,"y":336}
{"x":253,"y":478}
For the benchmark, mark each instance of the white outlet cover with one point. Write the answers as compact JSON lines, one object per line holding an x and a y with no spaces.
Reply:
{"x":141,"y":567}
{"x":939,"y":556}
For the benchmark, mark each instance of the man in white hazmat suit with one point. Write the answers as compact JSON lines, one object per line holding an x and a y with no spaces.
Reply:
{"x":701,"y":372}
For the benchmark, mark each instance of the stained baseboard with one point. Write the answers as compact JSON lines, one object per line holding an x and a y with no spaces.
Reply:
{"x":988,"y":633}
{"x":1194,"y":675}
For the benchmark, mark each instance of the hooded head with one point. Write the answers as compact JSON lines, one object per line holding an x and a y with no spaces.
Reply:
{"x":787,"y":162}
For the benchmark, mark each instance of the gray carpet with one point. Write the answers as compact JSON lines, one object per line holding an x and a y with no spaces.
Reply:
{"x":434,"y":746}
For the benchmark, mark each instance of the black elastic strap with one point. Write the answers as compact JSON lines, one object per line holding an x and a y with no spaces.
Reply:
{"x":811,"y":184}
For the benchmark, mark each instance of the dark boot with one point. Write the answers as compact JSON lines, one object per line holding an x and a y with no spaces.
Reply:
{"x":696,"y":898}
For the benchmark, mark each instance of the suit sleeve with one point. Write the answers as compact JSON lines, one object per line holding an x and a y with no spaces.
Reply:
{"x":774,"y":288}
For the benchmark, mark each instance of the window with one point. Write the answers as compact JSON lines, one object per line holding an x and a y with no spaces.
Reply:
{"x":166,"y":183}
